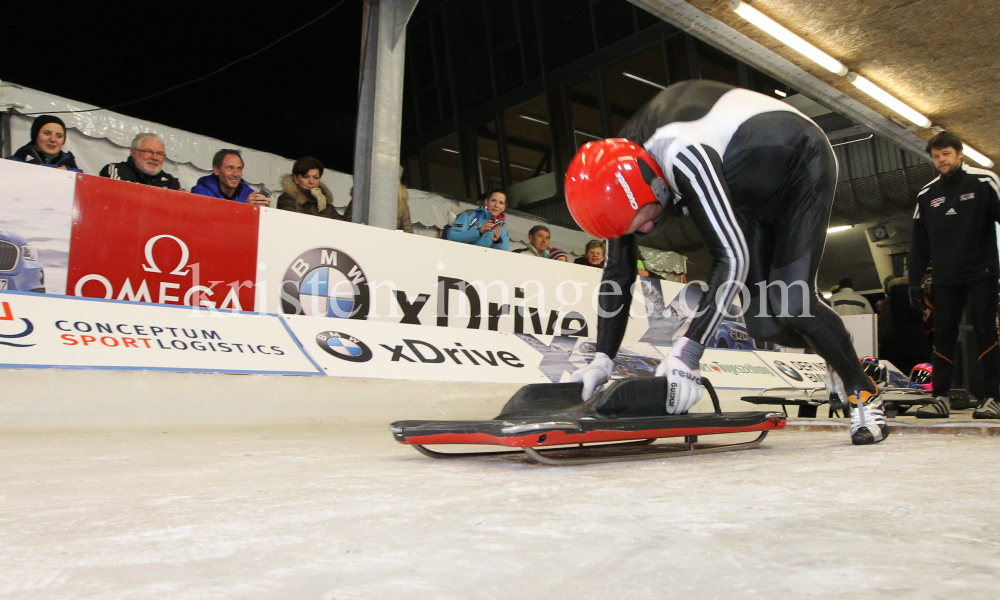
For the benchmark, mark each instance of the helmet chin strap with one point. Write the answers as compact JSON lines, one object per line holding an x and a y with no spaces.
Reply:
{"x":662,"y":192}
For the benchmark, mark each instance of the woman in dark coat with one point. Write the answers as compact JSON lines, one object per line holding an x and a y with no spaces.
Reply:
{"x":48,"y":136}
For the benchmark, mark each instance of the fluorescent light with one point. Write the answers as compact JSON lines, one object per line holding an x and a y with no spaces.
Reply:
{"x":642,"y":80}
{"x":781,"y":93}
{"x":888,"y":100}
{"x":449,"y":150}
{"x":533,"y":119}
{"x":787,"y":37}
{"x":841,"y":228}
{"x":536,"y":120}
{"x":977,"y":156}
{"x":515,"y":165}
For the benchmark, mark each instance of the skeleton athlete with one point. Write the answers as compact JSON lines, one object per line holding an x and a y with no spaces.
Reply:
{"x":758,"y":178}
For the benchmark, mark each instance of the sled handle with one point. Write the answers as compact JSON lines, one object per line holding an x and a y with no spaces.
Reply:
{"x":715,"y":397}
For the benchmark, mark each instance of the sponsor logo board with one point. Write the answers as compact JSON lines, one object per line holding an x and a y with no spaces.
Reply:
{"x":735,"y":369}
{"x":140,"y":244}
{"x":355,"y":348}
{"x":798,"y":370}
{"x":46,"y":331}
{"x":379,"y":275}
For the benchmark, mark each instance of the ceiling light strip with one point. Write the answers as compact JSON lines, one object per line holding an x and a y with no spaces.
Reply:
{"x":788,"y":38}
{"x":888,"y":100}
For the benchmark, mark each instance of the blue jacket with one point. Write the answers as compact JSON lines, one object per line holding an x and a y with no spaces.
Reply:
{"x":465,"y":229}
{"x":28,"y":154}
{"x":209,"y":186}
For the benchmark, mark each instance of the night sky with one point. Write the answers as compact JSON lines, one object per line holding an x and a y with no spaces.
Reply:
{"x":297,"y":98}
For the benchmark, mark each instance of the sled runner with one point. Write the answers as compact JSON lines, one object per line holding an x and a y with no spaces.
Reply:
{"x":620,"y":423}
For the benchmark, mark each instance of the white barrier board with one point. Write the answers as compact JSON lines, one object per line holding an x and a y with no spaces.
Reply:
{"x":56,"y":331}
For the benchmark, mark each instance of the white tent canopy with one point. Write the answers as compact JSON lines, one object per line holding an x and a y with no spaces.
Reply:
{"x":99,"y":137}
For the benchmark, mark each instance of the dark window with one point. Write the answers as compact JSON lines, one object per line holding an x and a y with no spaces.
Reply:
{"x":411,"y":172}
{"x":630,"y":83}
{"x":529,"y":39}
{"x":565,"y":30}
{"x":409,"y":106}
{"x":677,"y":58}
{"x":418,"y":42}
{"x":444,"y":168}
{"x":529,"y":146}
{"x":469,"y":52}
{"x":614,"y":20}
{"x":586,"y":112}
{"x":765,"y":84}
{"x":644,"y":19}
{"x":489,"y":157}
{"x":441,"y":60}
{"x":716,"y":65}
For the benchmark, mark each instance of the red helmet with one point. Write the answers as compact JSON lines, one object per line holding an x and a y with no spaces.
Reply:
{"x":607,"y":183}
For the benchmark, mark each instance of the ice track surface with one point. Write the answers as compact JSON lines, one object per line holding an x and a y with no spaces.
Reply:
{"x":156,"y":485}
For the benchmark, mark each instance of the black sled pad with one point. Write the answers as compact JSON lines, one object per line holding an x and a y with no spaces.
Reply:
{"x":553,"y":414}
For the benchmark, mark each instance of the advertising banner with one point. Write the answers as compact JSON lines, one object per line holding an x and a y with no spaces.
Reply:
{"x":323,"y":268}
{"x":798,"y":370}
{"x":38,"y":330}
{"x":36,"y":212}
{"x":353,"y":348}
{"x":145,"y":244}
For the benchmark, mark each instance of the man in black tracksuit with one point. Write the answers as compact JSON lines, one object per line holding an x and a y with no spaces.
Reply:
{"x":758,"y":179}
{"x":954,"y":229}
{"x":144,"y":164}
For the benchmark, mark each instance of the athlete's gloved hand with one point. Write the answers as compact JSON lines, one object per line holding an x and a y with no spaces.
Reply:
{"x":683,"y":374}
{"x":916,"y":296}
{"x":596,"y":374}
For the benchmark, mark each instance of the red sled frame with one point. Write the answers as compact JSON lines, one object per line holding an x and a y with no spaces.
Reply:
{"x":564,"y":442}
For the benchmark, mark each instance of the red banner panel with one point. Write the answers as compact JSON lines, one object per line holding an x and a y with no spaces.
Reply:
{"x":144,"y":244}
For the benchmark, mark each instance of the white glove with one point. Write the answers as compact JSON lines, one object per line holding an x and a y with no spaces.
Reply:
{"x":594,"y":375}
{"x":680,"y":367}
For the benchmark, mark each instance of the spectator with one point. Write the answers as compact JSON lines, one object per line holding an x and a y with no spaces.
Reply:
{"x":48,"y":135}
{"x":538,"y":242}
{"x":954,"y":231}
{"x":303,"y":192}
{"x":557,"y":254}
{"x":403,"y":207}
{"x":846,"y":301}
{"x":226,"y":181}
{"x":593,"y":255}
{"x":144,"y":165}
{"x":484,"y":226}
{"x":901,"y":331}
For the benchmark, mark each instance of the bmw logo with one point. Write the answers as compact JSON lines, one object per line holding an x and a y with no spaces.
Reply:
{"x":787,"y":371}
{"x":325,"y":282}
{"x":343,"y":346}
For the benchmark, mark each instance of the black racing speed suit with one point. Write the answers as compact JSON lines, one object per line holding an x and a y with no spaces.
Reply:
{"x":758,"y":178}
{"x":954,"y":230}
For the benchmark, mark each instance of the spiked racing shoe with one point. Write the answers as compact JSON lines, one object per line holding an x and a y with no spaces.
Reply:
{"x":940,"y":408}
{"x":867,"y":418}
{"x":988,"y":410}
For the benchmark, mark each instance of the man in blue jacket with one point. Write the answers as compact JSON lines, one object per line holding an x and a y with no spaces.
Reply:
{"x":226,"y":180}
{"x":483,"y":226}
